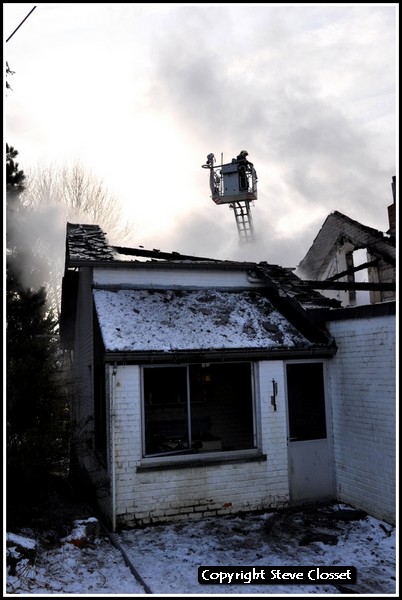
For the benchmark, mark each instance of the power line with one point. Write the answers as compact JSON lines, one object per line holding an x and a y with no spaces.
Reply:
{"x":15,"y":30}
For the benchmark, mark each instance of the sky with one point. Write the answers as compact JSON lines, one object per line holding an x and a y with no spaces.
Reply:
{"x":166,"y":557}
{"x":140,"y":94}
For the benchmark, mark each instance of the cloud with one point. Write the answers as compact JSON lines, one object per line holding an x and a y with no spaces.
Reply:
{"x":145,"y":92}
{"x":282,"y":101}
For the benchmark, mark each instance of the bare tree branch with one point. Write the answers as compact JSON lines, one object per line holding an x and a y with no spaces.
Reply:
{"x":55,"y":195}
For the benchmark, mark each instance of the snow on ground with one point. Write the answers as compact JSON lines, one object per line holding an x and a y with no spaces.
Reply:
{"x":68,"y":569}
{"x":167,"y":557}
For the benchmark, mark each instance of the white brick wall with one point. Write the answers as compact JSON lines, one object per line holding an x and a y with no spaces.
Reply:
{"x":273,"y":423}
{"x":363,"y":391}
{"x":192,"y":492}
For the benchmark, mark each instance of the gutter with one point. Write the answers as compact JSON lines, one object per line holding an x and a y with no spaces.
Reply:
{"x":113,"y":443}
{"x":221,"y":355}
{"x":364,"y":311}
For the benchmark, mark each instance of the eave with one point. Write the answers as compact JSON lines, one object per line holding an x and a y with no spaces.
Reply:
{"x":215,"y":356}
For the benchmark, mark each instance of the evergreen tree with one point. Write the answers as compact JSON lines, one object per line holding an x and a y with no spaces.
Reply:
{"x":15,"y":177}
{"x":36,"y":406}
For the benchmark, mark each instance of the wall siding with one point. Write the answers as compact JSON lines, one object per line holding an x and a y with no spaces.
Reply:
{"x":193,"y":492}
{"x":83,"y":411}
{"x":83,"y":351}
{"x":173,"y":278}
{"x":363,"y":390}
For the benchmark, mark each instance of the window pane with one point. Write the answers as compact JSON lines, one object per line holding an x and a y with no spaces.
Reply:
{"x":306,"y":401}
{"x":165,"y":400}
{"x":221,"y":407}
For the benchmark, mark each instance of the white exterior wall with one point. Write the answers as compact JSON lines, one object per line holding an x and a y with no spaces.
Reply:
{"x":363,"y":392}
{"x":83,"y":408}
{"x":191,"y":278}
{"x":196,"y":491}
{"x":83,"y":354}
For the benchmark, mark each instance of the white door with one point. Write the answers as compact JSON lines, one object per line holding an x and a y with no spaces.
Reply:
{"x":310,"y":457}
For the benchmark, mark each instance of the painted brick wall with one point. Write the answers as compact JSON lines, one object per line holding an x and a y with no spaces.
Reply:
{"x":192,"y":492}
{"x":363,"y":392}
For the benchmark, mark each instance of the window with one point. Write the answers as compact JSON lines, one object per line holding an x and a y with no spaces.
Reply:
{"x":198,"y":408}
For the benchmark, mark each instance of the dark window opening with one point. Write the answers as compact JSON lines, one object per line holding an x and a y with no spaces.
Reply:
{"x":198,"y":408}
{"x":306,"y":401}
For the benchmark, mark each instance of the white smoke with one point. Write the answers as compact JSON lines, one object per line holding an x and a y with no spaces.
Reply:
{"x":36,"y":245}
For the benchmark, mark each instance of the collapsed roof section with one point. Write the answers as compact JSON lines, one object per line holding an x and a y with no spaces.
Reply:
{"x":87,"y":244}
{"x":339,"y":229}
{"x":273,"y":318}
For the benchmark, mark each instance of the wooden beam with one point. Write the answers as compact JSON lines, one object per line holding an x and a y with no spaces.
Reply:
{"x":351,"y":285}
{"x":372,"y":263}
{"x":158,"y":254}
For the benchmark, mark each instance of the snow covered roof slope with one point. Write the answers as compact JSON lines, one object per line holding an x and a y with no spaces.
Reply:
{"x":168,"y":320}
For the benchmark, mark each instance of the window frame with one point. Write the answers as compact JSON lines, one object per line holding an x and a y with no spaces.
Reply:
{"x":200,"y":457}
{"x":327,"y":398}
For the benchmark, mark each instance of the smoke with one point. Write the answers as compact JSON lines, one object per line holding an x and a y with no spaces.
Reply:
{"x":300,"y":100}
{"x":309,"y":91}
{"x":36,"y":246}
{"x":214,"y":235}
{"x":36,"y":222}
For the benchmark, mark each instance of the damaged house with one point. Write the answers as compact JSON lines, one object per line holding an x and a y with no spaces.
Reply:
{"x":205,"y":387}
{"x":356,"y":265}
{"x":345,"y":254}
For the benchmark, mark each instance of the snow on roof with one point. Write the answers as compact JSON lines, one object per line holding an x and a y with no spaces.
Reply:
{"x":165,"y":320}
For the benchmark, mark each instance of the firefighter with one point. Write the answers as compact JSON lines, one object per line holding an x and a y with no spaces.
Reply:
{"x":244,"y":165}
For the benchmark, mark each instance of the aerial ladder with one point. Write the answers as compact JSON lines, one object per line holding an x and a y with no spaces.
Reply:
{"x":235,"y":183}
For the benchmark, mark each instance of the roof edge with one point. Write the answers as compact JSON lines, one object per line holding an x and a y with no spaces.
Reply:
{"x":234,"y":355}
{"x":364,"y":311}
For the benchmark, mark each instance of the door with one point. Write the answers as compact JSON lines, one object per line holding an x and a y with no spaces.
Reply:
{"x":310,"y":458}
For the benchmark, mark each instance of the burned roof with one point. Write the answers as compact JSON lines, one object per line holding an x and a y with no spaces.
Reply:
{"x":339,"y":229}
{"x":287,"y":284}
{"x":87,"y":243}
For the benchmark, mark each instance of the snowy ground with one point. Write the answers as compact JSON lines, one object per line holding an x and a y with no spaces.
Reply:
{"x":167,"y":557}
